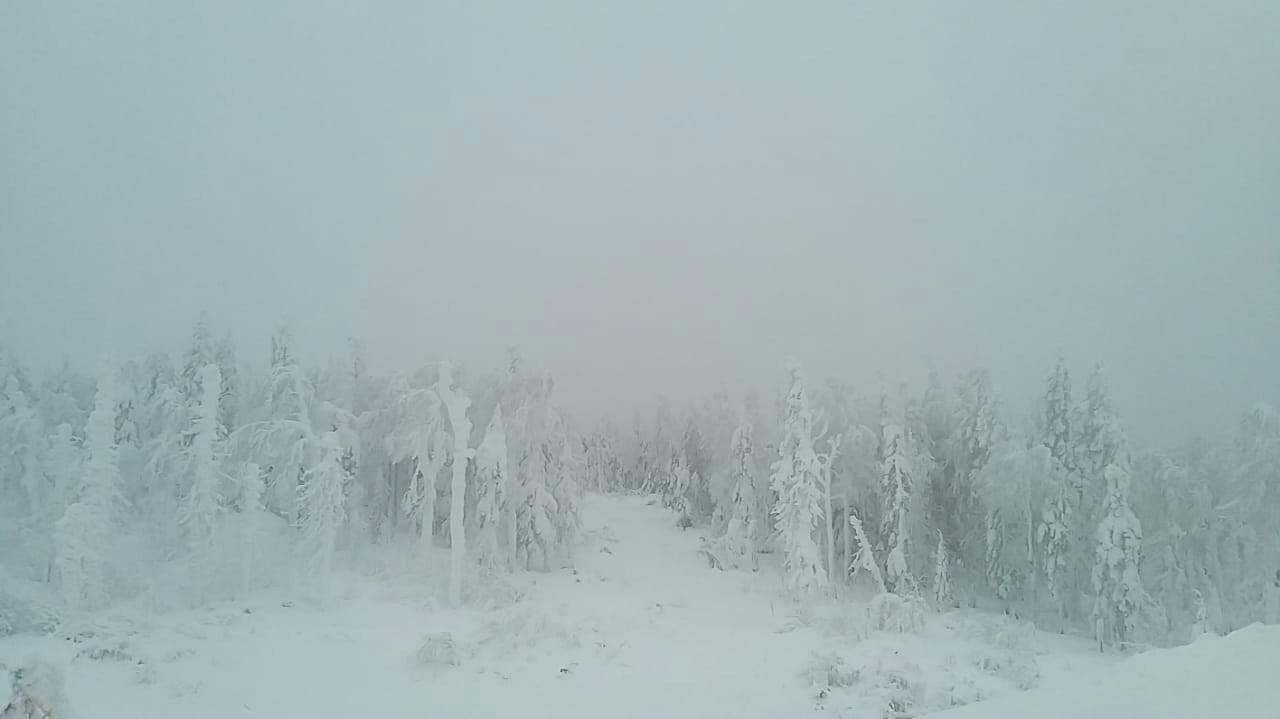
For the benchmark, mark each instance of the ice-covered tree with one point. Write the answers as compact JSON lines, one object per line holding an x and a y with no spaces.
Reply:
{"x":492,"y":492}
{"x":322,"y":503}
{"x":1119,"y":595}
{"x":250,"y":488}
{"x":963,"y":523}
{"x":1012,"y":486}
{"x":536,"y":514}
{"x":742,"y":529}
{"x":203,"y":503}
{"x":896,"y":475}
{"x":941,"y":574}
{"x":200,"y":353}
{"x":229,"y":382}
{"x":797,"y":481}
{"x":864,"y":558}
{"x":455,"y":404}
{"x":567,"y":493}
{"x":1101,"y":440}
{"x":83,"y":535}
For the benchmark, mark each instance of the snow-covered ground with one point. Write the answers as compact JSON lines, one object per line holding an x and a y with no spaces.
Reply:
{"x":641,"y":627}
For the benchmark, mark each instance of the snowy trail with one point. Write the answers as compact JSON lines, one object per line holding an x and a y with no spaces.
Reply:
{"x":662,"y":634}
{"x":640,"y":627}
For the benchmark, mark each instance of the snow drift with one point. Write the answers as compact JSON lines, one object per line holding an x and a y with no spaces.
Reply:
{"x":1231,"y":676}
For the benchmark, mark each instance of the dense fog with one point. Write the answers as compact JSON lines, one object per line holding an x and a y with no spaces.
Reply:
{"x":953,"y":332}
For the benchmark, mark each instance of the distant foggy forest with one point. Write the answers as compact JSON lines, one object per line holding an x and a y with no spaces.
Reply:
{"x":205,"y":477}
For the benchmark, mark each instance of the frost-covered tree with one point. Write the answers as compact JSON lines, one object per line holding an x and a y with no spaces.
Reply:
{"x":250,"y":487}
{"x":964,"y":521}
{"x":203,"y":503}
{"x":896,"y":471}
{"x":20,"y":444}
{"x":1012,"y":486}
{"x":322,"y":505}
{"x":864,"y":559}
{"x":229,"y":383}
{"x":797,"y":481}
{"x":199,"y":354}
{"x":941,"y":574}
{"x":84,"y":533}
{"x":455,"y":404}
{"x":535,"y":518}
{"x":742,"y":530}
{"x":491,"y":490}
{"x":1117,"y":582}
{"x":1101,"y":440}
{"x":567,"y":493}
{"x":284,"y":440}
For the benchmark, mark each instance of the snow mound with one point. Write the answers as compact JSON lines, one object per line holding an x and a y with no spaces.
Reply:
{"x":1231,"y":676}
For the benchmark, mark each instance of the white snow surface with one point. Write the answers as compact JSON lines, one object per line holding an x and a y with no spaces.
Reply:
{"x":1231,"y":676}
{"x":641,"y":626}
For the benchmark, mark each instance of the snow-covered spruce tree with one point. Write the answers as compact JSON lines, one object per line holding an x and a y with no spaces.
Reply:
{"x":827,"y":462}
{"x":323,"y":510}
{"x":229,"y":379}
{"x":1059,"y":523}
{"x":455,"y":404}
{"x":20,"y":445}
{"x":895,"y":492}
{"x":1101,"y":442}
{"x":203,"y":503}
{"x":1012,"y":486}
{"x":83,"y":534}
{"x":420,"y":441}
{"x":797,"y":481}
{"x":202,"y":506}
{"x":201,"y":353}
{"x":1117,"y":582}
{"x":941,"y":575}
{"x":535,"y":517}
{"x":741,"y":532}
{"x":567,"y":493}
{"x":252,"y":513}
{"x":492,"y":493}
{"x":284,"y":441}
{"x":964,"y":524}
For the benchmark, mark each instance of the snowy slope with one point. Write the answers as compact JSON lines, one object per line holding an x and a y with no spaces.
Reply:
{"x":1233,"y":676}
{"x":640,"y":627}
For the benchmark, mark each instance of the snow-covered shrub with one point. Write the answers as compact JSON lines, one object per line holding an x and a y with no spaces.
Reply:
{"x":998,"y":630}
{"x":1018,"y":667}
{"x":843,"y":620}
{"x":895,"y":613}
{"x":527,"y":630}
{"x":33,"y":692}
{"x":891,"y":687}
{"x":829,"y":671}
{"x":25,"y":607}
{"x":440,"y":649}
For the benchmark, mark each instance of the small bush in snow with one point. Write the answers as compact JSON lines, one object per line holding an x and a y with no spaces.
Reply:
{"x":440,"y":649}
{"x":894,"y":613}
{"x":1000,"y":631}
{"x":25,"y":608}
{"x":1017,"y":667}
{"x":829,"y":671}
{"x":525,"y":630}
{"x":891,"y":688}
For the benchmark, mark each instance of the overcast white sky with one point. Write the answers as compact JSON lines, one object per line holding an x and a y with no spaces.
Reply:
{"x":659,"y":196}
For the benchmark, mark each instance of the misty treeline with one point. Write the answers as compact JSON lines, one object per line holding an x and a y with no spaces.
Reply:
{"x":197,"y":479}
{"x":936,"y":496}
{"x":189,"y":481}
